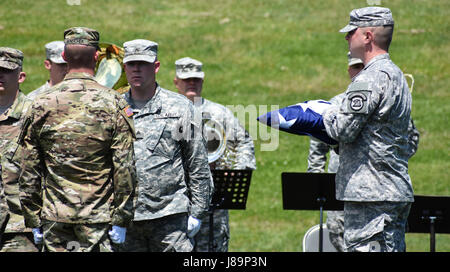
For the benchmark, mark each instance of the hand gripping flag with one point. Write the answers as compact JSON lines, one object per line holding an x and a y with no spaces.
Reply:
{"x":302,"y":119}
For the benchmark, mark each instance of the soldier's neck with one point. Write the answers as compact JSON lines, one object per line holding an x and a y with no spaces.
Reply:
{"x":369,"y":55}
{"x":7,"y":99}
{"x":143,"y":93}
{"x":81,"y":70}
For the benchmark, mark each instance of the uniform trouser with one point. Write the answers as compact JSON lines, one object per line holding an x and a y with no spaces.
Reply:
{"x":59,"y":237}
{"x":18,"y":242}
{"x":335,"y":224}
{"x":221,"y":232}
{"x":375,"y":226}
{"x":165,"y":234}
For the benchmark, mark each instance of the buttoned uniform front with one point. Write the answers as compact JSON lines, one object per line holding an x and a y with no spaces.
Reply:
{"x":168,"y":138}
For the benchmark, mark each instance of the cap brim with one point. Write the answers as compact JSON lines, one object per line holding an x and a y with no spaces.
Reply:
{"x":348,"y":28}
{"x":145,"y":58}
{"x":354,"y":62}
{"x":58,"y":60}
{"x":9,"y":65}
{"x":191,"y":75}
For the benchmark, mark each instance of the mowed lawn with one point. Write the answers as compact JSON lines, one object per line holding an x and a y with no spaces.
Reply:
{"x":258,"y":54}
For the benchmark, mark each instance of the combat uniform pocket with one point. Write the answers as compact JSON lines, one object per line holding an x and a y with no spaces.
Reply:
{"x":155,"y":130}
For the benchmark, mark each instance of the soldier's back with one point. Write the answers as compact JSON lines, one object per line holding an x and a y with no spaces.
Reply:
{"x":74,"y":123}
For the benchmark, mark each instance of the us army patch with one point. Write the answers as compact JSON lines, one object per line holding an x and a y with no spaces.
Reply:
{"x":358,"y":98}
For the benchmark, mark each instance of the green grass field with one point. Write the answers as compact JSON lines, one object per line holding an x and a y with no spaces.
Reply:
{"x":265,"y":52}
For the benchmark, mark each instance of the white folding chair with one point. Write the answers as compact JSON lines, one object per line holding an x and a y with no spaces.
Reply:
{"x":311,"y":240}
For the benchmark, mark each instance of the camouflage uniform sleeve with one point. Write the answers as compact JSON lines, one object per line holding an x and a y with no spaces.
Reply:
{"x":4,"y":214}
{"x":242,"y":144}
{"x":31,"y":174}
{"x":317,"y":157}
{"x":124,"y":171}
{"x":196,"y":162}
{"x":344,"y":123}
{"x":413,"y":138}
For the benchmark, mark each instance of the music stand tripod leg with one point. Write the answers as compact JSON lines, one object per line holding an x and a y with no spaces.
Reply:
{"x":432,"y":234}
{"x":321,"y":200}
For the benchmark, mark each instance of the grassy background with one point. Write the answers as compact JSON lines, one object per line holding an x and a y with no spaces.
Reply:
{"x":265,"y":52}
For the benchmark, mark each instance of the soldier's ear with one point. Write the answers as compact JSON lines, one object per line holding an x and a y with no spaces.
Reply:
{"x":22,"y":77}
{"x":157,"y":65}
{"x":63,"y":55}
{"x":47,"y":64}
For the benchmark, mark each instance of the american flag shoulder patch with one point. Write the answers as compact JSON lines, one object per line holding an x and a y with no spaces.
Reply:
{"x":128,"y":111}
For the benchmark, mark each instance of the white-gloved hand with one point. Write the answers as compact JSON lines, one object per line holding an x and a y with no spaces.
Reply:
{"x":193,"y":226}
{"x":117,"y":234}
{"x":37,"y":235}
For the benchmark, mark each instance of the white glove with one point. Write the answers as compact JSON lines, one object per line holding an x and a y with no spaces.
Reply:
{"x":37,"y":235}
{"x":117,"y":234}
{"x":193,"y":226}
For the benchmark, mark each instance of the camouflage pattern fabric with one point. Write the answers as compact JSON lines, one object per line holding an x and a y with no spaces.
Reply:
{"x":375,"y":226}
{"x":4,"y":214}
{"x":64,"y":237}
{"x":169,"y":139}
{"x":18,"y":242}
{"x":371,"y":126}
{"x":10,"y":125}
{"x":165,"y":234}
{"x":78,"y":139}
{"x":38,"y":91}
{"x":239,"y":154}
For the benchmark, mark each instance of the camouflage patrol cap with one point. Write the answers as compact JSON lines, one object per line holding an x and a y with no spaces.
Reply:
{"x":353,"y":61}
{"x":10,"y":58}
{"x":53,"y":51}
{"x":82,"y":35}
{"x":140,"y":50}
{"x":367,"y":17}
{"x":188,"y":68}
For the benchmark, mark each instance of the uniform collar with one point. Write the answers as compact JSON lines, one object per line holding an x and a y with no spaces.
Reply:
{"x":377,"y":58}
{"x":77,"y":75}
{"x":17,"y":108}
{"x":153,"y":105}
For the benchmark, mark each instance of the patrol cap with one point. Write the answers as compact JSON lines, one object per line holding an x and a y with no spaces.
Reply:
{"x":82,"y":35}
{"x":10,"y":58}
{"x":367,"y":17}
{"x":353,"y":61}
{"x":188,"y":68}
{"x":53,"y":51}
{"x":140,"y":50}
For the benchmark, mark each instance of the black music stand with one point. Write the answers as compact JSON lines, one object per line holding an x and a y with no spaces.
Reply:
{"x":230,"y":193}
{"x":429,"y":214}
{"x":310,"y":191}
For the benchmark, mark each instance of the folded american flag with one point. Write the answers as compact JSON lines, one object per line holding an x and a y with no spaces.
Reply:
{"x":302,"y":119}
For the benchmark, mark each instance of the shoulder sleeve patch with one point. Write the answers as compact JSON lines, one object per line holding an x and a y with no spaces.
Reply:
{"x":358,"y":98}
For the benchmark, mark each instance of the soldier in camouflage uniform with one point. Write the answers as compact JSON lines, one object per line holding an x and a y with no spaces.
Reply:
{"x":318,"y":156}
{"x":239,"y":152}
{"x":169,"y":144}
{"x":371,"y":126}
{"x":4,"y":213}
{"x":77,"y":139}
{"x":13,"y":105}
{"x":56,"y":66}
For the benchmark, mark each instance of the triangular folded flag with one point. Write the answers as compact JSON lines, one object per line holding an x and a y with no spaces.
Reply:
{"x":302,"y":119}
